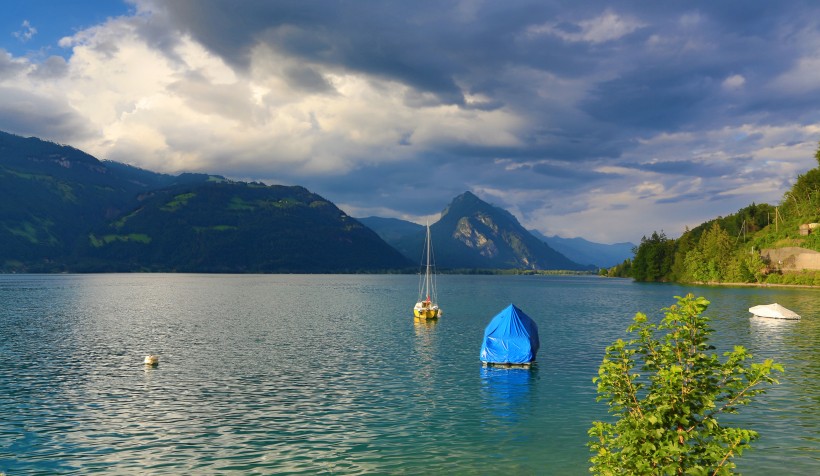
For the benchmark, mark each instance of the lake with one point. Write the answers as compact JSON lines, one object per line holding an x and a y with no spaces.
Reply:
{"x":330,"y":374}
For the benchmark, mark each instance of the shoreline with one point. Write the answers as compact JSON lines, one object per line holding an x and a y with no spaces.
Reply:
{"x":756,"y":285}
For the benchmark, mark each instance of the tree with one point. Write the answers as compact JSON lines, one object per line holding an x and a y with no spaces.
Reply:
{"x":623,"y":270}
{"x":716,"y":246}
{"x":817,"y":154}
{"x":711,"y":259}
{"x":683,"y":245}
{"x":653,"y":258}
{"x":746,"y":267}
{"x":667,"y":395}
{"x":803,"y":200}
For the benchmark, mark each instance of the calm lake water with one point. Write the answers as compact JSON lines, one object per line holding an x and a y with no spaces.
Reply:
{"x":272,"y":374}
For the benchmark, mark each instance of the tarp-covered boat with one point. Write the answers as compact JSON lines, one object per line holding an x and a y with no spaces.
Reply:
{"x":511,"y":337}
{"x":773,"y":311}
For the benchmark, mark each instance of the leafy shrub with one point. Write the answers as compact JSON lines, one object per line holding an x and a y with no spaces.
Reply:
{"x":667,"y":394}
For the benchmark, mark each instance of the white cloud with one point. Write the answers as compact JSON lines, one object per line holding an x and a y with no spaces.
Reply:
{"x":608,"y":26}
{"x":184,"y":109}
{"x":137,"y":90}
{"x":765,"y":160}
{"x":26,"y":32}
{"x":803,"y":78}
{"x":734,"y":82}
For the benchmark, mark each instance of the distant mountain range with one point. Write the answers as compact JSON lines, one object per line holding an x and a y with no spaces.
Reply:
{"x":62,"y":210}
{"x":474,"y":234}
{"x":587,"y":252}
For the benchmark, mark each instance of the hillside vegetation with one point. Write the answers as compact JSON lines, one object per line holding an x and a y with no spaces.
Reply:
{"x":728,"y":249}
{"x":62,"y":210}
{"x":236,"y":227}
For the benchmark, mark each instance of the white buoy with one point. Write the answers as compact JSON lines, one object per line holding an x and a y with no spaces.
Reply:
{"x":152,"y":360}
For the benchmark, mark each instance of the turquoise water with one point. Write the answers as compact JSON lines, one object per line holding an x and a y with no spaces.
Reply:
{"x":272,"y":374}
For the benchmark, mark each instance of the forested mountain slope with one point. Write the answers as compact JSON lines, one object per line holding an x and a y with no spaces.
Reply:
{"x":62,"y":210}
{"x":736,"y":248}
{"x":238,"y":227}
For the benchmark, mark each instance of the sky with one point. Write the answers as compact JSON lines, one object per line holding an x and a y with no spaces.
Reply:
{"x":601,"y":120}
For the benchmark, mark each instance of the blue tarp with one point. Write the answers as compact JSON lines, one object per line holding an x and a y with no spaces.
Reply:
{"x":510,"y":338}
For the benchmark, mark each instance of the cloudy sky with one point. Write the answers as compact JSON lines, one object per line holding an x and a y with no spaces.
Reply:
{"x":605,"y":120}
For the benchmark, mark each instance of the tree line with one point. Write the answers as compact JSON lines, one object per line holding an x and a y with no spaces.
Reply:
{"x":727,"y":249}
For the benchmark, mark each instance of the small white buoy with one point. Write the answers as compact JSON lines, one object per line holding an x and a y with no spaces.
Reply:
{"x":152,"y":360}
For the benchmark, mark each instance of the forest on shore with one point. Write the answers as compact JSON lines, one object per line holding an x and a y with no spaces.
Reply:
{"x":728,"y":249}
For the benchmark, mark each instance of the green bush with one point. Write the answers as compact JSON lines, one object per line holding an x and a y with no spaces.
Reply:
{"x":667,"y":394}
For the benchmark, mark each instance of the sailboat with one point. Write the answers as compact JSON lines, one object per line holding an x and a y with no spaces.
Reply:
{"x":426,"y":307}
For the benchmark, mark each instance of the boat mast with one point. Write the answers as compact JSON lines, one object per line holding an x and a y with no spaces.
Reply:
{"x":427,"y":274}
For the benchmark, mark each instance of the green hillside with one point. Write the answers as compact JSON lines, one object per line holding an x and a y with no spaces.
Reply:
{"x":738,"y":248}
{"x":53,"y":194}
{"x":62,"y":210}
{"x":238,"y":228}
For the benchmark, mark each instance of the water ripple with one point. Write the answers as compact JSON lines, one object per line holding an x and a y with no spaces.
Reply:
{"x":330,"y":375}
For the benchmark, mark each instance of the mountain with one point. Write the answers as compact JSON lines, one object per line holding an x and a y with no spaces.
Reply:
{"x":587,"y":252}
{"x":473,"y":234}
{"x":53,"y":194}
{"x":230,"y":227}
{"x":63,"y":210}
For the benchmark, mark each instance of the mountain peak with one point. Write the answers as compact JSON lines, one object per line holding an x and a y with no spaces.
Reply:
{"x":476,"y":234}
{"x":466,"y":204}
{"x":468,"y":198}
{"x":468,"y":195}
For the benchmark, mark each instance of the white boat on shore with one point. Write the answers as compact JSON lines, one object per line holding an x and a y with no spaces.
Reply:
{"x":773,"y":311}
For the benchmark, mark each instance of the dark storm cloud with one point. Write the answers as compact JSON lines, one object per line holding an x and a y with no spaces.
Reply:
{"x":690,"y":167}
{"x":427,"y":184}
{"x":710,"y":196}
{"x":561,"y":142}
{"x":422,"y":187}
{"x":552,"y":107}
{"x":30,"y":115}
{"x":666,"y":73}
{"x":654,"y":103}
{"x":680,"y":83}
{"x":428,"y":45}
{"x":589,"y":82}
{"x":564,"y":173}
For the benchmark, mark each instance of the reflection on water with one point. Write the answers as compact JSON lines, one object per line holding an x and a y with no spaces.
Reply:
{"x":328,"y":374}
{"x":425,"y":359}
{"x":768,"y":334}
{"x":424,"y":326}
{"x":791,"y":410}
{"x":507,"y":392}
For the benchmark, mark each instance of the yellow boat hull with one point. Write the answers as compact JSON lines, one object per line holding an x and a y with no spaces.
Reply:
{"x":426,"y":313}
